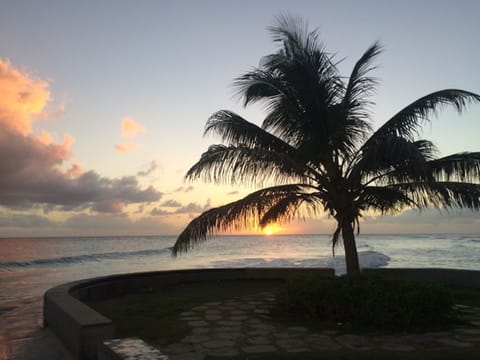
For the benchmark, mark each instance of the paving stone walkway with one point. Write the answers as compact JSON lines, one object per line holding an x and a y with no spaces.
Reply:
{"x":243,"y":325}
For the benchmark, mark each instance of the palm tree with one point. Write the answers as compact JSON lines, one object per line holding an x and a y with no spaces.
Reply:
{"x":316,"y":151}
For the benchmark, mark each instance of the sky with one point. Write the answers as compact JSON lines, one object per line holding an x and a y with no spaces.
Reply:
{"x":103,"y":103}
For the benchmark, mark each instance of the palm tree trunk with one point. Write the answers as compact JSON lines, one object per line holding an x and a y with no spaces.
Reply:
{"x":351,"y":255}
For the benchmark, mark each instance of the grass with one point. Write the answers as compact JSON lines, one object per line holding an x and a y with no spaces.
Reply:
{"x":154,"y":317}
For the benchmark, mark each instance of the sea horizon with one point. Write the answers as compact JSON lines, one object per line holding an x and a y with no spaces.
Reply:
{"x":473,"y":233}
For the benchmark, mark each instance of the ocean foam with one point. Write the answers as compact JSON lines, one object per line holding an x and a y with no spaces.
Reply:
{"x":367,"y":259}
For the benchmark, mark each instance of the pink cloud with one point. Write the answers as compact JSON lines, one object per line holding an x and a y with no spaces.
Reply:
{"x":23,"y":98}
{"x":126,"y":147}
{"x":130,"y":129}
{"x":75,"y":170}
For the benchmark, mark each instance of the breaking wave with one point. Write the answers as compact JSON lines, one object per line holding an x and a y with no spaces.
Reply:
{"x":367,"y":259}
{"x":69,"y":260}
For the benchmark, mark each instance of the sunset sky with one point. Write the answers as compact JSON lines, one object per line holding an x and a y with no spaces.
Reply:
{"x":103,"y":103}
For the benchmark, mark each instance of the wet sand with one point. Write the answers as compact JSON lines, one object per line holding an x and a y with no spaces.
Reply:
{"x":22,"y":336}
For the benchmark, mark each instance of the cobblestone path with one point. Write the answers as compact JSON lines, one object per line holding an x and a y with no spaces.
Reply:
{"x":243,"y":325}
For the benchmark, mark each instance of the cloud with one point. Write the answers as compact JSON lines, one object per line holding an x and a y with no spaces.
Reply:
{"x":130,"y":129}
{"x":185,"y":189}
{"x":190,"y":208}
{"x":23,"y":98}
{"x":32,"y":175}
{"x":86,"y":225}
{"x":152,"y":167}
{"x":24,"y":220}
{"x":126,"y":147}
{"x":171,"y":203}
{"x":158,"y":212}
{"x":32,"y":167}
{"x":75,"y":170}
{"x":193,"y":208}
{"x":118,"y":224}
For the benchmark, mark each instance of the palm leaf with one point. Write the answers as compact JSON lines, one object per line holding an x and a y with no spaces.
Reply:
{"x":241,"y":164}
{"x":384,"y":199}
{"x":235,"y":130}
{"x":390,"y":158}
{"x":360,"y":86}
{"x":463,"y":167}
{"x":299,"y":86}
{"x":293,"y":206}
{"x":259,"y":85}
{"x":442,"y":194}
{"x":233,"y":216}
{"x":405,"y":123}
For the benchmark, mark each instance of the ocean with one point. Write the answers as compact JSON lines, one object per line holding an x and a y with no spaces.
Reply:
{"x":29,"y":266}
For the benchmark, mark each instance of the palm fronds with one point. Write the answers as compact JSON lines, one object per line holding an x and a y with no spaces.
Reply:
{"x":235,"y":130}
{"x":391,"y":157}
{"x":463,"y":167}
{"x":235,"y":215}
{"x":242,"y":165}
{"x":385,"y":199}
{"x":406,"y":122}
{"x":360,"y":85}
{"x":291,"y":207}
{"x":442,"y":194}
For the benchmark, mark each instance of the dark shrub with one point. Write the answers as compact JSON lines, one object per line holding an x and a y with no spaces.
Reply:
{"x":368,"y":302}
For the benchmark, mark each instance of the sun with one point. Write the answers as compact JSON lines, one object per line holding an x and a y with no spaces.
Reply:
{"x":270,"y":229}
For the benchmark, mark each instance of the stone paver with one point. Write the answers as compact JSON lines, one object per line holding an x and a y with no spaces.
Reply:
{"x":243,"y":325}
{"x":259,"y":349}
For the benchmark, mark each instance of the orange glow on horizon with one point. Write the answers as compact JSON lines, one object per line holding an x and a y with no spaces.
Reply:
{"x":271,"y":229}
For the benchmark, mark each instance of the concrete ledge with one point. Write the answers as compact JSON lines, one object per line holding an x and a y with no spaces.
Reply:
{"x":77,"y":326}
{"x":82,"y":330}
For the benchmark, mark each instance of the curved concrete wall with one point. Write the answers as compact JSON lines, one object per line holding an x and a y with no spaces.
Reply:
{"x":82,"y":329}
